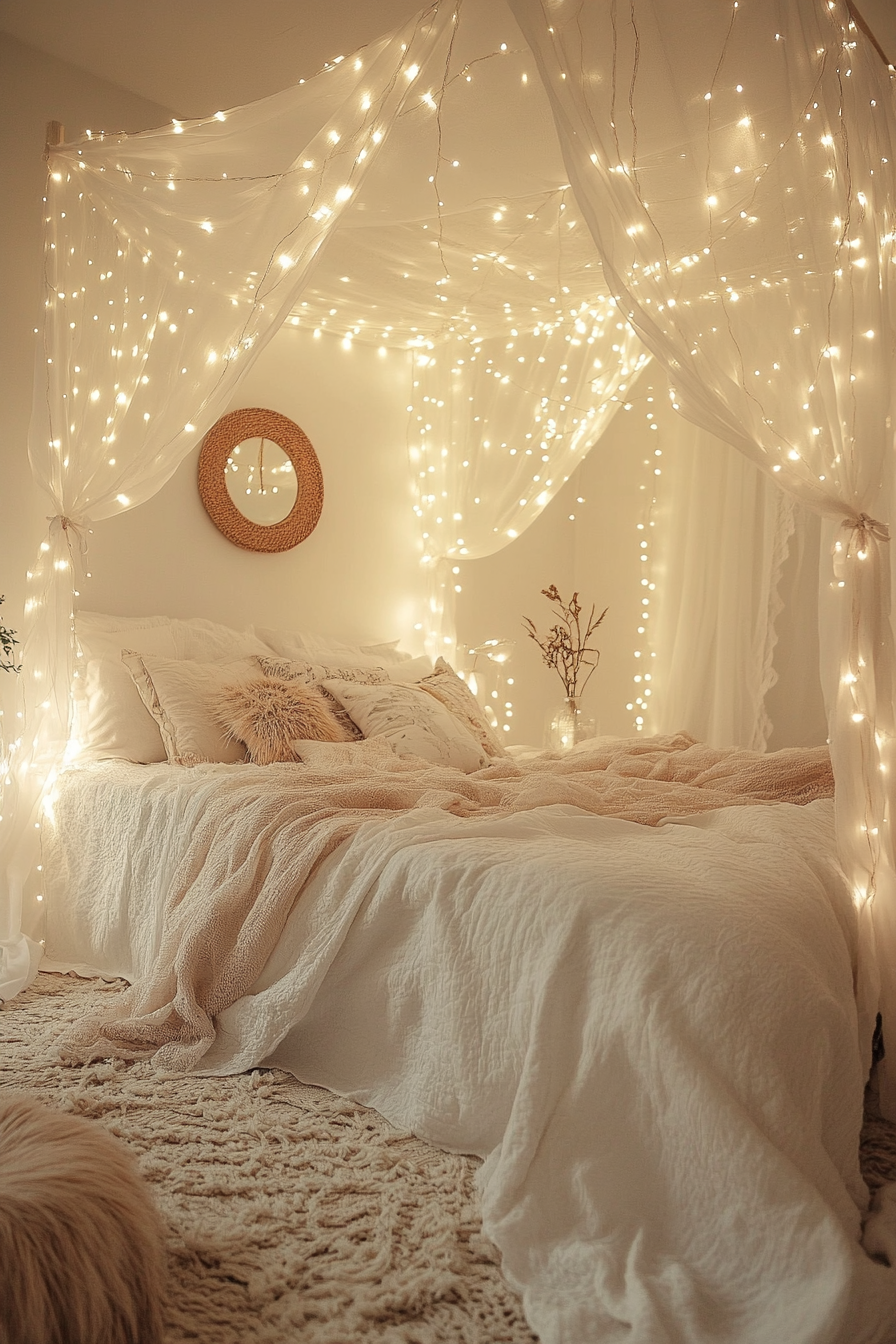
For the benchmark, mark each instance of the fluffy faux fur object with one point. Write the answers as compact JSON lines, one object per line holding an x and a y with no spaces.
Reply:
{"x":268,"y":714}
{"x":80,"y":1238}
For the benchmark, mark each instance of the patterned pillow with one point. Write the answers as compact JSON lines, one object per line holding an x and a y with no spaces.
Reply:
{"x":412,"y":721}
{"x":447,"y":687}
{"x":312,"y":674}
{"x":268,"y":714}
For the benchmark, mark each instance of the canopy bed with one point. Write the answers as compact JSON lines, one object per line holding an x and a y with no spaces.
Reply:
{"x":712,"y":190}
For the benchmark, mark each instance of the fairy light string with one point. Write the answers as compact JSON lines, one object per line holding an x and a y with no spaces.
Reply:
{"x":644,"y":667}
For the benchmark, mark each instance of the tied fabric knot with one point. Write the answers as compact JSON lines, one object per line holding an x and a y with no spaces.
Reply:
{"x":860,"y":530}
{"x":70,"y":527}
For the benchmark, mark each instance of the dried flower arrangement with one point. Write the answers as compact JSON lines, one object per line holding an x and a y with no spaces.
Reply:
{"x":565,"y":646}
{"x":8,"y":642}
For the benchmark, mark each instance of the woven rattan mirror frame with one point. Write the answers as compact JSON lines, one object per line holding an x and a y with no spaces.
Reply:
{"x":255,"y":423}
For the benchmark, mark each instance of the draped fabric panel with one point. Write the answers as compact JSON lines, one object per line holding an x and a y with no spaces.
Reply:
{"x":499,"y":432}
{"x":736,"y":165}
{"x":723,"y":530}
{"x":467,"y":248}
{"x":171,"y":257}
{"x":498,"y":425}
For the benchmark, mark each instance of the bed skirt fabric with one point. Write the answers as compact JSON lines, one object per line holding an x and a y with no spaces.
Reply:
{"x":647,"y":1032}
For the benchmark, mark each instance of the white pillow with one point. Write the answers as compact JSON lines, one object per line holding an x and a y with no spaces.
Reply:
{"x":208,"y":642}
{"x":197,"y":638}
{"x":304,"y":646}
{"x":388,"y":652}
{"x":90,"y":623}
{"x":409,"y":669}
{"x":283,"y":643}
{"x":412,"y":721}
{"x":110,"y":720}
{"x":326,"y":649}
{"x":182,"y":697}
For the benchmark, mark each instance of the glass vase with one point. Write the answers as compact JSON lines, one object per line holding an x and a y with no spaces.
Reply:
{"x":568,"y":724}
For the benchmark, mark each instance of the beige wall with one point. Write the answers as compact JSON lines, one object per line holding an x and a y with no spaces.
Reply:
{"x":586,"y":541}
{"x":356,"y":576}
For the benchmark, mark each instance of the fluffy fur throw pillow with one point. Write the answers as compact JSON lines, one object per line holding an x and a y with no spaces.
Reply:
{"x":80,"y":1238}
{"x":268,"y":714}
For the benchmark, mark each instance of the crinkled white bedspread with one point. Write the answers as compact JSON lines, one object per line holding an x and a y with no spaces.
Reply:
{"x":647,"y":1033}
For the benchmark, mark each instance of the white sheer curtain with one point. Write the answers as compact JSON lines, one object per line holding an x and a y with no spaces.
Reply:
{"x":736,"y":165}
{"x":171,"y":257}
{"x":722,"y":533}
{"x":467,"y":247}
{"x":497,"y":426}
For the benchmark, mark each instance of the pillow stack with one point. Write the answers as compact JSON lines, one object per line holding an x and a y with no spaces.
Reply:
{"x":154,"y":689}
{"x":316,"y":674}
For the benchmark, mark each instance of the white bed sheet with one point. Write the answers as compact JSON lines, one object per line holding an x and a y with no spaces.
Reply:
{"x":647,"y":1033}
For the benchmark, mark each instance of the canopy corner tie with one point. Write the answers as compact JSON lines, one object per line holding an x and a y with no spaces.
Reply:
{"x":864,"y":528}
{"x":61,"y":522}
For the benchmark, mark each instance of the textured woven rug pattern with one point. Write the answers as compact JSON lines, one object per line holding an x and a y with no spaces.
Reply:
{"x":292,"y":1213}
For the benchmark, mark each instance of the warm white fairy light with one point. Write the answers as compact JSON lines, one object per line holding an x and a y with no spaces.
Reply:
{"x":483,"y":670}
{"x":643,"y":676}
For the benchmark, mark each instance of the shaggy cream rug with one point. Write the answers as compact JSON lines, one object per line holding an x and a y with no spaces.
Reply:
{"x":292,"y":1214}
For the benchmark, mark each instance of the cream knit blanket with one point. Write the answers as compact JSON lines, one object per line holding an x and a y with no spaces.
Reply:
{"x":245,"y":865}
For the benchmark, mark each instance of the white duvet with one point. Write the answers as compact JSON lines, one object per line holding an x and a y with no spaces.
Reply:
{"x":648,"y":1034}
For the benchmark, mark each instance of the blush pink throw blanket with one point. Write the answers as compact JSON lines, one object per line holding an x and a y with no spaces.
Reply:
{"x":268,"y":829}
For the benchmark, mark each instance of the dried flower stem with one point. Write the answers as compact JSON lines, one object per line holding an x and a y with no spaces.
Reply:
{"x":565,"y":645}
{"x":8,"y":642}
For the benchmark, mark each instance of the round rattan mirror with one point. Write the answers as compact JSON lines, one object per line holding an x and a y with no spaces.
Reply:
{"x":260,"y":480}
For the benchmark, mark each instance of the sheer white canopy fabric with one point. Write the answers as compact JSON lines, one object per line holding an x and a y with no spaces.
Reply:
{"x":171,"y":257}
{"x":497,"y":426}
{"x":723,"y":530}
{"x":736,"y":165}
{"x":466,"y":247}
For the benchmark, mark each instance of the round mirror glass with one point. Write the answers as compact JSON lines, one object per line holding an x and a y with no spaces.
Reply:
{"x":261,"y":481}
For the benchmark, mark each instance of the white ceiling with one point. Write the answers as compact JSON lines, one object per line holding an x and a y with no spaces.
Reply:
{"x":195,"y":57}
